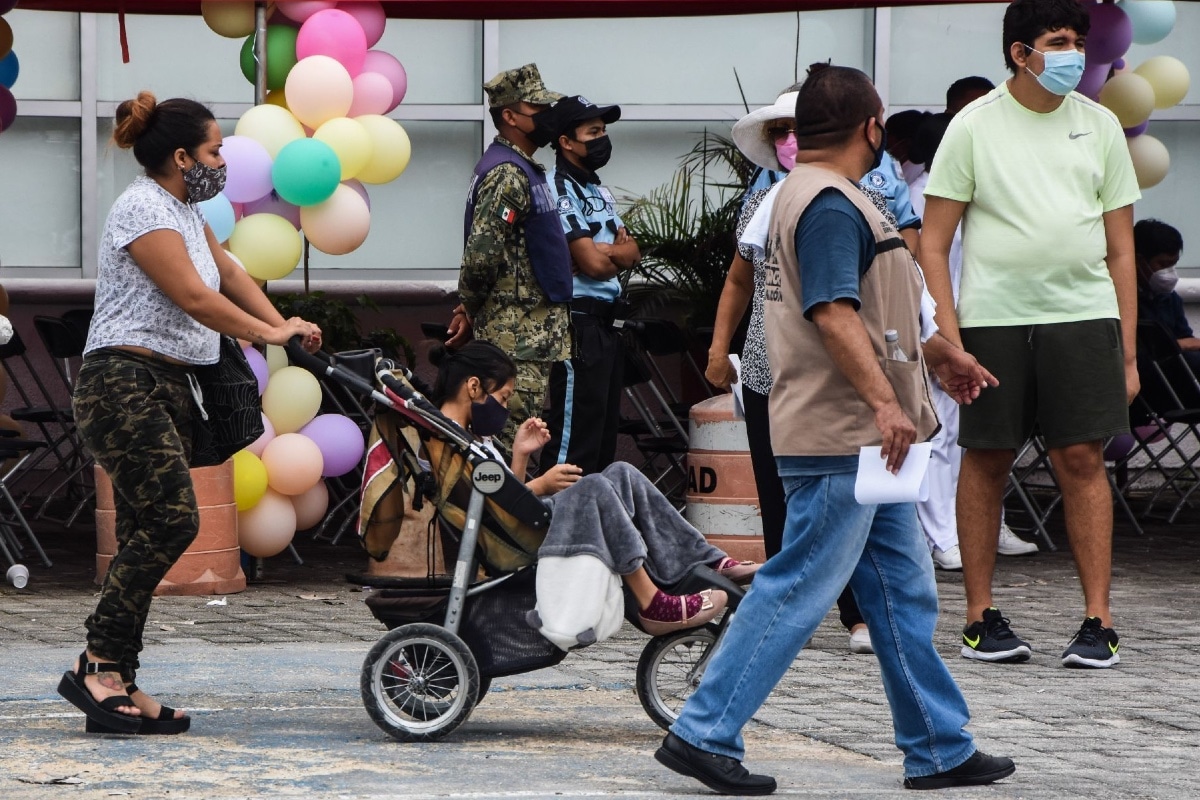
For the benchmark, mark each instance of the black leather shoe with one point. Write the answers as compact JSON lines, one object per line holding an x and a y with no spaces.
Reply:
{"x":722,"y":774}
{"x":978,"y":770}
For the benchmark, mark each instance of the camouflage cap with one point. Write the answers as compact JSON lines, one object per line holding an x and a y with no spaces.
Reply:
{"x":515,"y":85}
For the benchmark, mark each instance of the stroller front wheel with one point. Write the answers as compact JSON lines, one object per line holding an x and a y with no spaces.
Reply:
{"x":670,"y":669}
{"x":419,"y":682}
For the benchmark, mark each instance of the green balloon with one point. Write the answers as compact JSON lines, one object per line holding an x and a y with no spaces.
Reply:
{"x":306,"y":172}
{"x":281,"y":55}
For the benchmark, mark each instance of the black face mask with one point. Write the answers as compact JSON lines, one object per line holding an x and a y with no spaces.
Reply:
{"x":599,"y":151}
{"x":488,"y":418}
{"x":878,"y":153}
{"x":542,"y":134}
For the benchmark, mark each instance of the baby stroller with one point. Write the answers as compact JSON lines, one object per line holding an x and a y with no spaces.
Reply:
{"x":451,"y":634}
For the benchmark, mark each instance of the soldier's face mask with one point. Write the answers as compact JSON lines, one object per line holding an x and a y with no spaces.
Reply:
{"x":541,"y":134}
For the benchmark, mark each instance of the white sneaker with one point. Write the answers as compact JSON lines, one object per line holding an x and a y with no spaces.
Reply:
{"x":947,"y":559}
{"x":860,"y":642}
{"x":1012,"y":545}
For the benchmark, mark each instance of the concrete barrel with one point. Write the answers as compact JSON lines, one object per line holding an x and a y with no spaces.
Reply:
{"x":722,"y":497}
{"x":212,"y":564}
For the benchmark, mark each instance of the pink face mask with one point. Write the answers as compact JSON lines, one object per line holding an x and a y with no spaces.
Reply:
{"x":785,"y":151}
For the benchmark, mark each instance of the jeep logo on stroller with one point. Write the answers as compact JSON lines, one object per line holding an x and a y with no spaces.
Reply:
{"x":488,"y":476}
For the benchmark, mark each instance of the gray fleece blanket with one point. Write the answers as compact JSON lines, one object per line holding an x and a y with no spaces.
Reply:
{"x":620,"y":517}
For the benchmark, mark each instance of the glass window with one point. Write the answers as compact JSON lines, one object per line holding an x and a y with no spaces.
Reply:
{"x":40,"y":226}
{"x":685,"y":60}
{"x":443,"y":58}
{"x":966,"y":39}
{"x":47,"y":46}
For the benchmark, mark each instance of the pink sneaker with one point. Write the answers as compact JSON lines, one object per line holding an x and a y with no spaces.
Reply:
{"x":668,"y":613}
{"x":740,"y":572}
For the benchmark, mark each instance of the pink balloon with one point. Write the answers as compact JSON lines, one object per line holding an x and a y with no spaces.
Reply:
{"x":1093,"y":78}
{"x":300,"y":10}
{"x":372,"y":95}
{"x":274,"y":204}
{"x":389,"y":67}
{"x":336,"y":34}
{"x":258,"y":365}
{"x":249,"y":169}
{"x":1111,"y":33}
{"x":356,"y":185}
{"x":239,"y":209}
{"x":370,"y":16}
{"x":8,"y":108}
{"x":260,"y":444}
{"x":339,"y":440}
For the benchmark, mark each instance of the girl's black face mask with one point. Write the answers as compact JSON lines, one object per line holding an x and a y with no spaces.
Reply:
{"x":488,"y":418}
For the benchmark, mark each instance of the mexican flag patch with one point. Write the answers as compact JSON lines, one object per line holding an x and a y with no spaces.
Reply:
{"x":509,"y":215}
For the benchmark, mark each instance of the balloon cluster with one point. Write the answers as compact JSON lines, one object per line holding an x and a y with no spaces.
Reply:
{"x":10,"y":68}
{"x":278,"y":481}
{"x":1133,"y":94}
{"x":298,"y":162}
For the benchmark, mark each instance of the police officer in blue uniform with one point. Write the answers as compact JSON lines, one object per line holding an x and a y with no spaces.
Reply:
{"x":585,"y":392}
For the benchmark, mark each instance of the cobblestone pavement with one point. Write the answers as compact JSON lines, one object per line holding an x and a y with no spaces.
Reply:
{"x":1128,"y":732}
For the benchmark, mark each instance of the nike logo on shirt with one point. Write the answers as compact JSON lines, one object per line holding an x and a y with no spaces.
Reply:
{"x":1077,"y":135}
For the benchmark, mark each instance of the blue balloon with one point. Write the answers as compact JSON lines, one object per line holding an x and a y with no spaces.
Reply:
{"x":218,"y":212}
{"x":10,"y":68}
{"x":1152,"y":20}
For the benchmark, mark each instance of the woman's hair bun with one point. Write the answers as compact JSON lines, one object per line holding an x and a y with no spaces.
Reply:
{"x":133,"y":117}
{"x":438,"y":354}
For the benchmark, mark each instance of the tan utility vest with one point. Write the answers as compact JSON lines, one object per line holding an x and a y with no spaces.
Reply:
{"x":815,"y":410}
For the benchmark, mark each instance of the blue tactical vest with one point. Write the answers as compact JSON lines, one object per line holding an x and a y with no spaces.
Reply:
{"x":548,"y":252}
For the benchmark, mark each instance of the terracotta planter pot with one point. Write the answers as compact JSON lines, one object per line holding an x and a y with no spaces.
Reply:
{"x":212,"y":564}
{"x":722,"y":497}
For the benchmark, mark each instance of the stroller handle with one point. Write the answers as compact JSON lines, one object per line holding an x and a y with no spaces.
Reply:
{"x":318,"y":363}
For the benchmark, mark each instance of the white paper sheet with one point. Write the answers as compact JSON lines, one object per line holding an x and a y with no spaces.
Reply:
{"x":875,"y":484}
{"x":739,"y":407}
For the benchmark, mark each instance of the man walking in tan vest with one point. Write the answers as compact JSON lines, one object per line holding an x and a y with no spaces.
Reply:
{"x":839,"y":278}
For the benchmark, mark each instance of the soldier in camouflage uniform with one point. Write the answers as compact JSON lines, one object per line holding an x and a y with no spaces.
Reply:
{"x":515,"y":280}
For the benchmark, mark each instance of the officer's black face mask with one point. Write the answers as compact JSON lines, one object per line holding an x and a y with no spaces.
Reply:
{"x":599,"y":151}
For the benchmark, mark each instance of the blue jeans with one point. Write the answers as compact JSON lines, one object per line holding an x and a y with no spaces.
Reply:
{"x":830,"y":539}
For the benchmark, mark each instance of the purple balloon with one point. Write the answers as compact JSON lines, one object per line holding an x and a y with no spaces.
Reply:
{"x":1093,"y":78}
{"x":339,"y":440}
{"x":258,"y":365}
{"x":1137,"y":130}
{"x":8,"y":108}
{"x":357,"y":186}
{"x":274,"y":204}
{"x":1111,"y":33}
{"x":1120,"y":445}
{"x":389,"y":67}
{"x":249,"y":174}
{"x":1119,"y":64}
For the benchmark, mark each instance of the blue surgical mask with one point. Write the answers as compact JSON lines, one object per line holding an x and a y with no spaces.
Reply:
{"x":488,"y":418}
{"x":1064,"y":68}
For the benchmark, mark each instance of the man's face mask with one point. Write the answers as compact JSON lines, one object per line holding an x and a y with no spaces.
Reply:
{"x":488,"y":418}
{"x":541,"y":135}
{"x":1064,"y":68}
{"x":877,"y":151}
{"x":203,"y":182}
{"x":1164,"y":281}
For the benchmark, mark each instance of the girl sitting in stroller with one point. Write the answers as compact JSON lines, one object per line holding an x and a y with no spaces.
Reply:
{"x":617,"y":515}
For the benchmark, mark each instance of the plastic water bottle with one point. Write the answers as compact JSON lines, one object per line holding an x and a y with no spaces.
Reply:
{"x":892,"y":344}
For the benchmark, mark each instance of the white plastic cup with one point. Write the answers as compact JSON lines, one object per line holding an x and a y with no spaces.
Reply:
{"x":18,"y":575}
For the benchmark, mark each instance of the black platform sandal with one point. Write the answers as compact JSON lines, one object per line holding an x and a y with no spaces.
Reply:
{"x":165,"y":724}
{"x":104,"y":712}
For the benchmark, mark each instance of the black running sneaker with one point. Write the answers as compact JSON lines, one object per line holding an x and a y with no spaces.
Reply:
{"x":993,"y":640}
{"x":1094,"y":646}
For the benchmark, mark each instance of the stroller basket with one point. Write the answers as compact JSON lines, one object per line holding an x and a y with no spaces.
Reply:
{"x":493,"y":624}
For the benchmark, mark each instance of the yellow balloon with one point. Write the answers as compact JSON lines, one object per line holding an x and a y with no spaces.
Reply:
{"x":1129,"y":96}
{"x":1151,"y":160}
{"x":350,"y":140}
{"x":268,"y":528}
{"x":338,"y":225}
{"x":232,"y":20}
{"x":249,"y":480}
{"x":292,"y":399}
{"x":276,"y":97}
{"x":267,"y":245}
{"x":271,"y":126}
{"x":1168,"y":77}
{"x":276,"y":358}
{"x":391,"y":149}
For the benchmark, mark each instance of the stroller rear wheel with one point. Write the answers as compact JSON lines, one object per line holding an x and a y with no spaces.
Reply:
{"x":670,"y":669}
{"x":419,"y":682}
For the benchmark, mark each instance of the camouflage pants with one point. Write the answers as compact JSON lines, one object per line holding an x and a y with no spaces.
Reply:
{"x":134,"y":415}
{"x":528,"y":400}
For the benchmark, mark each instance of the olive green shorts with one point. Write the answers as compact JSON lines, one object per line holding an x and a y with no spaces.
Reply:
{"x":1065,"y":380}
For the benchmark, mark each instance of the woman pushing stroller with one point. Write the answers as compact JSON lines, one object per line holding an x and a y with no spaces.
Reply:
{"x":617,"y":515}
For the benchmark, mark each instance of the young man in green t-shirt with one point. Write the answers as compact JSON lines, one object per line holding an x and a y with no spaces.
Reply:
{"x":1042,"y":180}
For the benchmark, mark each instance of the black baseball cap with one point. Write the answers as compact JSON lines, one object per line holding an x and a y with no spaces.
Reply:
{"x":570,"y":111}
